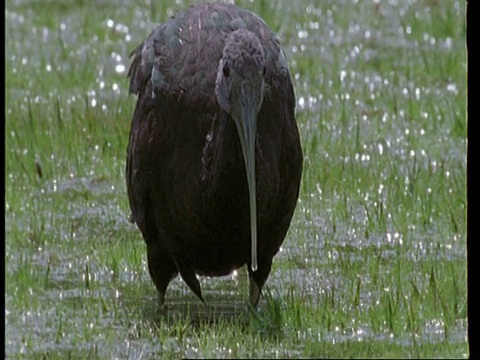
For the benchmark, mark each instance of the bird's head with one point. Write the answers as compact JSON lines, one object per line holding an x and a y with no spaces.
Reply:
{"x":239,"y":92}
{"x":240,"y":74}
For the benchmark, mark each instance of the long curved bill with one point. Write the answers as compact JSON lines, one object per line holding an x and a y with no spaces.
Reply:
{"x":247,"y":127}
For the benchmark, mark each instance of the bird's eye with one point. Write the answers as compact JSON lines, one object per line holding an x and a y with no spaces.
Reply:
{"x":226,"y":71}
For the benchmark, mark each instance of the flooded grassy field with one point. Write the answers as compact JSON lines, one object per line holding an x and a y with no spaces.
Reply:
{"x":374,"y":264}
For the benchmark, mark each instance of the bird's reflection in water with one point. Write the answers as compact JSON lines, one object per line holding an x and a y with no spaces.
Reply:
{"x":188,"y":310}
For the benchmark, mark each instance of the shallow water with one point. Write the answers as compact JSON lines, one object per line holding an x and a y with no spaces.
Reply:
{"x":338,"y":63}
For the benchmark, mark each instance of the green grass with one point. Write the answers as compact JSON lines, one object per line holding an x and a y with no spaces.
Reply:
{"x":374,"y":264}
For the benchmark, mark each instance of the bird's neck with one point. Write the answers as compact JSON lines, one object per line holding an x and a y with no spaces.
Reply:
{"x":222,"y":153}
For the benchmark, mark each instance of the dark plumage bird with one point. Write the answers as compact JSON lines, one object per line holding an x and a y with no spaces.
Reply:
{"x":214,"y":160}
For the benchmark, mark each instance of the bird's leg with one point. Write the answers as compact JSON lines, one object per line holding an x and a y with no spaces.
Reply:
{"x":254,"y":292}
{"x":188,"y":275}
{"x":257,"y":279}
{"x":161,"y":267}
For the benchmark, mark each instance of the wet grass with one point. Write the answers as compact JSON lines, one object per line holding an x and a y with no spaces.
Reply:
{"x":374,"y":264}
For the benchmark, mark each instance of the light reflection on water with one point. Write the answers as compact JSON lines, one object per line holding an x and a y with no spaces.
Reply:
{"x":363,"y":43}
